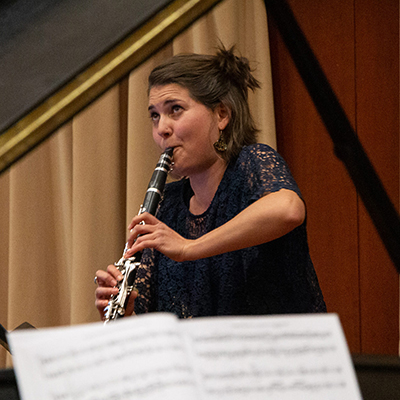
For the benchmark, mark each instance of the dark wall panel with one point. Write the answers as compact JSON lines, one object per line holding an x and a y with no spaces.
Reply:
{"x":377,"y":73}
{"x":335,"y":222}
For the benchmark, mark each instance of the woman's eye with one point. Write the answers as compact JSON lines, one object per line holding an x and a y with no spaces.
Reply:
{"x":176,"y":108}
{"x":154,"y":116}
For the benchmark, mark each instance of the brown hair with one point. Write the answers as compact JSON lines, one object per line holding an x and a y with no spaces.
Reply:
{"x":211,"y":80}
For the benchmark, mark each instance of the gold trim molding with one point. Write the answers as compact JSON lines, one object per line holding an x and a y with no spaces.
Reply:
{"x":36,"y":126}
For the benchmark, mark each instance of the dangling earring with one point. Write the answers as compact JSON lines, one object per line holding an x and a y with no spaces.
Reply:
{"x":220,"y":144}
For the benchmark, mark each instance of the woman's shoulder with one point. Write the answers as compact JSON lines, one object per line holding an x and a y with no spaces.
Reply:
{"x":258,"y":150}
{"x":262,"y":168}
{"x":259,"y":155}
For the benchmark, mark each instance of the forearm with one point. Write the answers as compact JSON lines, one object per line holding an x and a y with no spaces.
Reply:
{"x":267,"y":219}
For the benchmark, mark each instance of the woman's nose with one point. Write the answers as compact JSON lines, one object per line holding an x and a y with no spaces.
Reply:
{"x":164,"y":128}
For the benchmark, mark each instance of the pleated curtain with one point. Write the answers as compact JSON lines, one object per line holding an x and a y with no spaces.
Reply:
{"x":66,"y":205}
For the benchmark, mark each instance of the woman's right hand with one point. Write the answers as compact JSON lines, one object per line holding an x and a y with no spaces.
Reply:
{"x":106,"y":281}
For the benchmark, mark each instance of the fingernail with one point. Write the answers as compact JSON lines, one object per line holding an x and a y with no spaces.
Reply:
{"x":120,"y":277}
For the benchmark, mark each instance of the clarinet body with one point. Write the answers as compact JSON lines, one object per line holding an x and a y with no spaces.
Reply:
{"x":128,"y":266}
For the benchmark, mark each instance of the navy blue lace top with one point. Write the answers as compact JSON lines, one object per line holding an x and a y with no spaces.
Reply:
{"x":273,"y":278}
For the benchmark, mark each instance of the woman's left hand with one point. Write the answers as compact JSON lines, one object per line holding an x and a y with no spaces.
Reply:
{"x":146,"y":231}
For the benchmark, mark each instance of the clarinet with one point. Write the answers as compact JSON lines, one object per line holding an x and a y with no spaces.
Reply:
{"x":128,"y":266}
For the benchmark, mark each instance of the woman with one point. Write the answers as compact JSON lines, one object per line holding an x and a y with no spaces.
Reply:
{"x":230,"y":237}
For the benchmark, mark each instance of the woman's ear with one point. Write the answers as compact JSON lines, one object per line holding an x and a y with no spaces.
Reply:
{"x":224,"y":115}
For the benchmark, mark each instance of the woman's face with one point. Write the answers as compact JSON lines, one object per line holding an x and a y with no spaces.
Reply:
{"x":190,"y":127}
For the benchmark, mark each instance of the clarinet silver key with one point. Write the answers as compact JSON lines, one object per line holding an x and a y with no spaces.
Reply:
{"x":128,"y":266}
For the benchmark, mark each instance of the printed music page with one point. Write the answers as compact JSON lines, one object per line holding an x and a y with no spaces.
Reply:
{"x":131,"y":358}
{"x":158,"y":356}
{"x":275,"y":358}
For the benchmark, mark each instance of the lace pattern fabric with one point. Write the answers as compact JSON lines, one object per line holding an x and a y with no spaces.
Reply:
{"x":273,"y":278}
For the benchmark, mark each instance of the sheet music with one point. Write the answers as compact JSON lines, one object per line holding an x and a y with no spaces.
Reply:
{"x":132,"y":358}
{"x":275,"y":358}
{"x":158,"y":356}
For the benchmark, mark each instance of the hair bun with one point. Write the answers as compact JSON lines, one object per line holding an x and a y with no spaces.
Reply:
{"x":236,"y":70}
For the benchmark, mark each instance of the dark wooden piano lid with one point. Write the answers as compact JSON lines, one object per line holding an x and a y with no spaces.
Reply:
{"x":47,"y":44}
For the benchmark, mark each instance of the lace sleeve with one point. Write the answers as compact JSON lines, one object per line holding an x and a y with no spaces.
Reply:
{"x":265,"y":171}
{"x":143,"y":283}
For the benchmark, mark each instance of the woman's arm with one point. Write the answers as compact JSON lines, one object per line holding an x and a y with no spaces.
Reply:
{"x":269,"y":218}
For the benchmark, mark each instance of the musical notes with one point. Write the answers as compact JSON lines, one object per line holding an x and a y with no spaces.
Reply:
{"x":158,"y":356}
{"x":280,"y":357}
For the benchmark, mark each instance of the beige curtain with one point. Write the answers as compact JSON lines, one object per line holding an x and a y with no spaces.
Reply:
{"x":66,"y":205}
